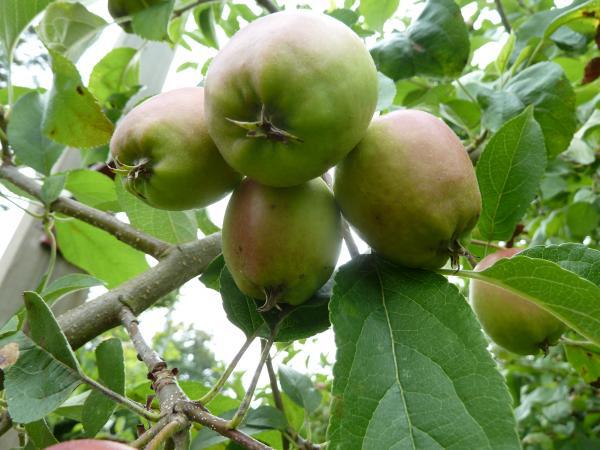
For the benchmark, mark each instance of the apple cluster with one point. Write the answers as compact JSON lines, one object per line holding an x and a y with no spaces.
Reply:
{"x":290,"y":96}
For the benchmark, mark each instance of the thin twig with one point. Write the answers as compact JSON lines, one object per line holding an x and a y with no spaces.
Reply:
{"x":277,"y":398}
{"x":100,"y":219}
{"x":503,"y":17}
{"x":214,"y":391}
{"x":5,"y":422}
{"x":6,"y":156}
{"x":198,"y":414}
{"x":118,"y":398}
{"x":240,"y":414}
{"x":183,"y":9}
{"x":167,"y":432}
{"x":486,"y":244}
{"x":149,"y":434}
{"x":145,"y":352}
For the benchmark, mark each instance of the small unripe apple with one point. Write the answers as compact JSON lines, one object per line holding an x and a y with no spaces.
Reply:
{"x":510,"y":320}
{"x":89,"y":444}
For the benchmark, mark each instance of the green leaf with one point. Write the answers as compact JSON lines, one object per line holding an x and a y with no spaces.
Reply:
{"x":98,"y":253}
{"x":585,"y":362}
{"x":376,"y":12}
{"x":344,"y":15}
{"x":152,"y":22}
{"x":31,"y":147}
{"x":435,"y":45}
{"x":69,"y":28}
{"x":94,"y":189}
{"x":37,"y":383}
{"x":68,"y":284}
{"x":117,"y":72}
{"x":51,"y":189}
{"x":46,"y":333}
{"x":299,"y":388}
{"x":509,"y":172}
{"x":98,"y":408}
{"x":205,"y":19}
{"x":505,"y":52}
{"x":15,"y":15}
{"x":40,"y":434}
{"x":211,"y":277}
{"x":582,"y":219}
{"x":577,"y":11}
{"x":10,"y":326}
{"x":572,"y":299}
{"x":387,"y":92}
{"x":170,"y":226}
{"x":266,"y":417}
{"x":412,"y":368}
{"x":73,"y":406}
{"x":205,"y":224}
{"x":73,"y":116}
{"x":577,"y":258}
{"x":545,"y":86}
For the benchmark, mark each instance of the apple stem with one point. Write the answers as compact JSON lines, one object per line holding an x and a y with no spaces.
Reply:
{"x":264,"y":128}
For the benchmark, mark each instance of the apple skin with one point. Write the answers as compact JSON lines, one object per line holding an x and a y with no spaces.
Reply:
{"x":510,"y":320}
{"x":281,"y":244}
{"x":409,"y":189}
{"x":89,"y":444}
{"x":184,"y":169}
{"x":311,"y":76}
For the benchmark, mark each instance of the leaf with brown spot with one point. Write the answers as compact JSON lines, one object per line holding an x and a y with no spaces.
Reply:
{"x":9,"y":355}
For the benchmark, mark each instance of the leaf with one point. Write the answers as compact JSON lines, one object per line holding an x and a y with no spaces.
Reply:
{"x":152,"y":22}
{"x":266,"y":417}
{"x":9,"y":326}
{"x":582,"y":219}
{"x":37,"y":383}
{"x":205,"y":19}
{"x":546,"y":86}
{"x":15,"y":15}
{"x":585,"y":362}
{"x":211,"y":277}
{"x":505,"y":52}
{"x":299,"y":388}
{"x":117,"y":72}
{"x":435,"y":45}
{"x":170,"y":226}
{"x":576,"y":258}
{"x":46,"y":333}
{"x":376,"y":12}
{"x":412,"y":368}
{"x":500,"y":107}
{"x":73,"y":116}
{"x":572,"y":299}
{"x":589,"y":9}
{"x":205,"y":224}
{"x":40,"y":434}
{"x":387,"y":92}
{"x":69,"y":28}
{"x":98,"y":253}
{"x":67,"y":284}
{"x":94,"y":189}
{"x":509,"y":172}
{"x":25,"y":134}
{"x":51,"y":189}
{"x":73,"y":406}
{"x":98,"y":408}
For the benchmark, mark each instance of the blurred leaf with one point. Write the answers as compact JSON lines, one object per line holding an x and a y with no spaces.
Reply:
{"x":98,"y":253}
{"x":15,"y":15}
{"x":93,"y":188}
{"x":205,"y":224}
{"x":51,"y":188}
{"x":299,"y":388}
{"x":582,"y":219}
{"x":68,"y":284}
{"x":435,"y":45}
{"x":509,"y":172}
{"x":344,"y":15}
{"x":586,"y":362}
{"x":170,"y":226}
{"x":152,"y":22}
{"x":98,"y":408}
{"x":387,"y":92}
{"x":117,"y":72}
{"x":211,"y":277}
{"x":40,"y":434}
{"x":30,"y":146}
{"x":69,"y":28}
{"x":205,"y":19}
{"x":589,"y":9}
{"x":73,"y":116}
{"x":504,"y":55}
{"x":376,"y":12}
{"x":412,"y":369}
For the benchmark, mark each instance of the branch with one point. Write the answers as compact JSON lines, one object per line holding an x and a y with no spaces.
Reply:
{"x":277,"y":398}
{"x":5,"y":422}
{"x":6,"y":156}
{"x":184,"y":262}
{"x":268,"y":5}
{"x":183,"y":9}
{"x":105,"y":221}
{"x":196,"y":413}
{"x":503,"y":16}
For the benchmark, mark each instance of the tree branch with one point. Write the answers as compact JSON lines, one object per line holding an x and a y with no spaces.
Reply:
{"x":105,"y":221}
{"x":268,"y":5}
{"x":503,"y":16}
{"x":277,"y":398}
{"x":198,"y":414}
{"x":184,"y":262}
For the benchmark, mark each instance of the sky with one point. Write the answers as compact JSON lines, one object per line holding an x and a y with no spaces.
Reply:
{"x":198,"y":305}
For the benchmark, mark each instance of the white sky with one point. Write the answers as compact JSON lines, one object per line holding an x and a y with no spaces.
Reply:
{"x":198,"y":305}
